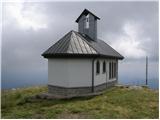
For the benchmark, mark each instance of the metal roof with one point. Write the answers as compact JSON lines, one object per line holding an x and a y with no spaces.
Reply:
{"x":85,"y":12}
{"x":75,"y":44}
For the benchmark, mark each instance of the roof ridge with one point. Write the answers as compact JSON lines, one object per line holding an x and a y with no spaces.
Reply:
{"x":87,"y":42}
{"x":78,"y":41}
{"x":89,"y":48}
{"x":65,"y":44}
{"x":61,"y":39}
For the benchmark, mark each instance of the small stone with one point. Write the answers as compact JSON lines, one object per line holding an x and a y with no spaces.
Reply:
{"x":135,"y":87}
{"x":13,"y":88}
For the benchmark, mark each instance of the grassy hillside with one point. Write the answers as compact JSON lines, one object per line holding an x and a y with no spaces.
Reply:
{"x":116,"y":102}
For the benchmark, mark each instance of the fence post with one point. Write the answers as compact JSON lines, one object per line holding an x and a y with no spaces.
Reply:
{"x":146,"y":70}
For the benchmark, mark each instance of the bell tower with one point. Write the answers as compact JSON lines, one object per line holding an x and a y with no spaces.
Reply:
{"x":87,"y":24}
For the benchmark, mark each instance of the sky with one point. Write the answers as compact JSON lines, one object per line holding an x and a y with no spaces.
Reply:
{"x":29,"y":28}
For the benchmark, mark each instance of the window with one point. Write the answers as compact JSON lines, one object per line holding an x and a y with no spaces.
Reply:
{"x":87,"y":21}
{"x":112,"y":70}
{"x":104,"y":67}
{"x":97,"y":67}
{"x":115,"y":70}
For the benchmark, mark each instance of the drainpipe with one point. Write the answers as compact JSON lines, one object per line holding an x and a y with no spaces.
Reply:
{"x":117,"y":70}
{"x":93,"y":75}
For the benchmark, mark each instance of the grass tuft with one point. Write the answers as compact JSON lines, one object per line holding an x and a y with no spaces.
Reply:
{"x":116,"y":102}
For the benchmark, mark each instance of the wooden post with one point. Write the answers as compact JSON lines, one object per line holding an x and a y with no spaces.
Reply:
{"x":146,"y":70}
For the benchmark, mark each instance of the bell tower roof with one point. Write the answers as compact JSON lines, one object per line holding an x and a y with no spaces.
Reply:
{"x":86,"y":12}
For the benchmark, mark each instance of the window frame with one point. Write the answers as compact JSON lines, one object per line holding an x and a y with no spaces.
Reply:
{"x":112,"y":70}
{"x":104,"y":67}
{"x":97,"y":67}
{"x":115,"y":69}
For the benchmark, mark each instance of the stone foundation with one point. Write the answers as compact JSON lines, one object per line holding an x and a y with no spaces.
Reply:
{"x":100,"y":87}
{"x":63,"y":91}
{"x":111,"y":83}
{"x":56,"y":90}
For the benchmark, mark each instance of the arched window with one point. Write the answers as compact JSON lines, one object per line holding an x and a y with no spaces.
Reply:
{"x":97,"y":67}
{"x":104,"y":67}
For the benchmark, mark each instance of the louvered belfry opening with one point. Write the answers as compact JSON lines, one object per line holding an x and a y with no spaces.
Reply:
{"x":87,"y":24}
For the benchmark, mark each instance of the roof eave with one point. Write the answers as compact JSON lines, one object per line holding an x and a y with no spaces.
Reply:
{"x":109,"y":56}
{"x":67,"y":55}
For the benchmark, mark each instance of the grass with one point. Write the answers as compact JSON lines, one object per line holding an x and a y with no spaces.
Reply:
{"x":116,"y":102}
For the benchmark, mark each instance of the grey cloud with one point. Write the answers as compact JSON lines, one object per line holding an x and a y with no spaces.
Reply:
{"x":22,"y":48}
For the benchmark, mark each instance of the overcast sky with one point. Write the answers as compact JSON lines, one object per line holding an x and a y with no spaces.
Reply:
{"x":28,"y":29}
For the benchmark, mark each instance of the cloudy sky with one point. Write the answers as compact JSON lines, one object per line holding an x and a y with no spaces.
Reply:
{"x":29,"y":28}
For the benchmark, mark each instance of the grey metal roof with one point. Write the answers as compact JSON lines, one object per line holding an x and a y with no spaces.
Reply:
{"x":85,"y":12}
{"x":75,"y":44}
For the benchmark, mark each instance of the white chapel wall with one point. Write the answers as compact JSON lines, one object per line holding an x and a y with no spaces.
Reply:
{"x":70,"y":72}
